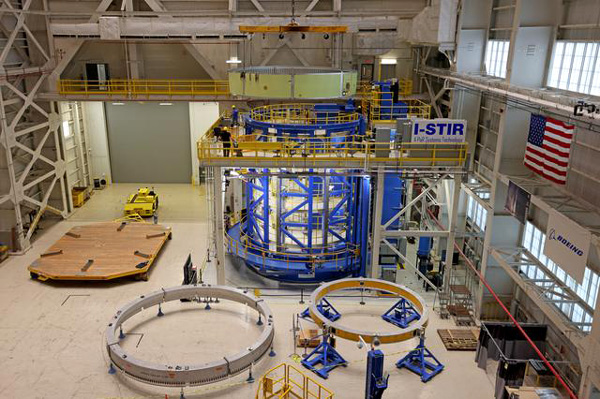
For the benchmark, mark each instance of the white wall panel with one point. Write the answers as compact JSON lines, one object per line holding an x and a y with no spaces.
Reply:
{"x":202,"y":116}
{"x":95,"y":125}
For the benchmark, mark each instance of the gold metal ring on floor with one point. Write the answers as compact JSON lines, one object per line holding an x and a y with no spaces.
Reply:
{"x":341,"y":331}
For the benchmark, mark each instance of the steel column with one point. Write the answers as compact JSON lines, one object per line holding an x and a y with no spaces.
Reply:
{"x":375,"y":269}
{"x":219,"y":224}
{"x":452,"y":219}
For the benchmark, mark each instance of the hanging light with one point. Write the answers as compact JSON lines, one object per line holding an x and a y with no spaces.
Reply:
{"x":233,"y":60}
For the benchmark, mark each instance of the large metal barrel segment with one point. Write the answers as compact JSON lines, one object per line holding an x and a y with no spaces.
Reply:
{"x":304,"y":225}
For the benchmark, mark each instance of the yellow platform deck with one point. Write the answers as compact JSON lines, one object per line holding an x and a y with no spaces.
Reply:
{"x":102,"y":251}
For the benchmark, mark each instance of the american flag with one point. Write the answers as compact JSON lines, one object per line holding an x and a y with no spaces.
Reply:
{"x":548,"y":148}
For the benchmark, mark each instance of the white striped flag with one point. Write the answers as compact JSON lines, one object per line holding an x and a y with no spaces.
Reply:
{"x":548,"y":148}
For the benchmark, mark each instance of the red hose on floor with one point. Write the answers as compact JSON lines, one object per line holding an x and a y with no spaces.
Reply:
{"x":511,"y":317}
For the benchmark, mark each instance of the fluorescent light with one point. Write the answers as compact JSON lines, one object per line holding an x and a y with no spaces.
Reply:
{"x":165,"y":104}
{"x":66,"y":129}
{"x":118,"y":103}
{"x":234,"y":60}
{"x":389,"y":61}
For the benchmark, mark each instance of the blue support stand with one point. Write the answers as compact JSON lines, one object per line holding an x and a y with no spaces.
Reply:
{"x":376,"y":381}
{"x":421,"y":362}
{"x":326,"y":309}
{"x":325,"y":355}
{"x":401,"y":314}
{"x":112,"y":369}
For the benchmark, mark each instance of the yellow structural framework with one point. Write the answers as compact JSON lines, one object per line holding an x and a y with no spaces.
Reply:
{"x":325,"y":153}
{"x":286,"y":382}
{"x":142,"y":203}
{"x":144,"y":87}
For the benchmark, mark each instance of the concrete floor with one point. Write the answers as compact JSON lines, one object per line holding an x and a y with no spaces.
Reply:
{"x":52,"y":333}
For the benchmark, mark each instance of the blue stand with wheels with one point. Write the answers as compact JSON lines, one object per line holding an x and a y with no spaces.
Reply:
{"x":401,"y":314}
{"x":324,"y":355}
{"x":376,"y":381}
{"x":421,"y":362}
{"x":326,"y":309}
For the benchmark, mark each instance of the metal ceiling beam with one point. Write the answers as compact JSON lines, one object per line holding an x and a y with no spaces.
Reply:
{"x":203,"y":61}
{"x":177,"y":27}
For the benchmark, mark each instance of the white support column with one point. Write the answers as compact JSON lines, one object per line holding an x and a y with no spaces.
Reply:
{"x":375,"y":269}
{"x":452,"y":218}
{"x":133,"y":62}
{"x":219,"y":224}
{"x":232,"y":6}
{"x":337,"y":5}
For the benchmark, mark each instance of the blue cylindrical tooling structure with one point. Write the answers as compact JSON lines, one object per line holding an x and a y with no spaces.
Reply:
{"x":304,"y":225}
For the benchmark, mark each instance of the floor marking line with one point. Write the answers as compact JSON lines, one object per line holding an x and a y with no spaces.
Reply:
{"x":72,"y":295}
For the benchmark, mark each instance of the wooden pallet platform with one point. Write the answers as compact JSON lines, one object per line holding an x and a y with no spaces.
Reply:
{"x":102,"y":251}
{"x":463,"y":339}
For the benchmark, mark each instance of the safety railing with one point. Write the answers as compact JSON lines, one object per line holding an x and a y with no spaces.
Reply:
{"x":316,"y":255}
{"x":143,"y":87}
{"x":324,"y":153}
{"x":382,"y":110}
{"x":405,"y":87}
{"x":300,"y":114}
{"x":286,"y":381}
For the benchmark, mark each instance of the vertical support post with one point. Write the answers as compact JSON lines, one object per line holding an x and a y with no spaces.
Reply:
{"x":325,"y":215}
{"x":279,"y":207}
{"x":23,"y":242}
{"x":309,"y":220}
{"x":265,"y":181}
{"x":452,"y":218}
{"x":375,"y":269}
{"x":218,"y":228}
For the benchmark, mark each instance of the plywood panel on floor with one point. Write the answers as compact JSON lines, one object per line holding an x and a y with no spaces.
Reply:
{"x":102,"y":251}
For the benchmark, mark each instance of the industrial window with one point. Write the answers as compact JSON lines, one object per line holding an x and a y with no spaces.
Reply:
{"x":575,"y":67}
{"x":496,"y":56}
{"x":533,"y":240}
{"x":476,"y":213}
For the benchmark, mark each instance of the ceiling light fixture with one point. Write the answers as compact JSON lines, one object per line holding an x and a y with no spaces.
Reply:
{"x":234,"y":60}
{"x":118,"y":103}
{"x":389,"y":61}
{"x":166,"y":104}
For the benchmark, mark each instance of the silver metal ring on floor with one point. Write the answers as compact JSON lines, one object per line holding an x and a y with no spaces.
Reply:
{"x":341,"y":331}
{"x":188,"y":374}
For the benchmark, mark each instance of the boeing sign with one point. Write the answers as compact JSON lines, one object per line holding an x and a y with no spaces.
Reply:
{"x":567,"y":244}
{"x":564,"y":241}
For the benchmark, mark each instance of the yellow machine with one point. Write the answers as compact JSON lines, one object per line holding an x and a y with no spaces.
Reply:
{"x":143,"y":203}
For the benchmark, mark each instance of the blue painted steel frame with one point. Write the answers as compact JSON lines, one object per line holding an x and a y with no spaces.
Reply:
{"x":347,"y":222}
{"x":421,"y":362}
{"x":324,"y":355}
{"x":326,"y":309}
{"x":401,"y":314}
{"x":350,"y":213}
{"x":306,"y":132}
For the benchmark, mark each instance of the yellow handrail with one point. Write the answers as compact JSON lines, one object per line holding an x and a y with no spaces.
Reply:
{"x":144,"y":87}
{"x":299,"y":114}
{"x":323,"y":152}
{"x":285,"y":381}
